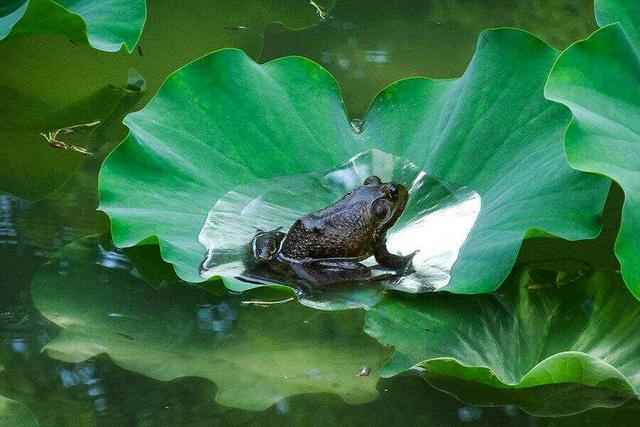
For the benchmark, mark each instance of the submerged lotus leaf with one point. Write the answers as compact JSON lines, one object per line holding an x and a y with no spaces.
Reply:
{"x":255,"y":355}
{"x":599,"y":80}
{"x":15,"y":414}
{"x":224,"y":121}
{"x":548,"y":348}
{"x":104,"y":24}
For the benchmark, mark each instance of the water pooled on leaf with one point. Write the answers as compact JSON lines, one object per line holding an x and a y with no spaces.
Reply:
{"x":436,"y":222}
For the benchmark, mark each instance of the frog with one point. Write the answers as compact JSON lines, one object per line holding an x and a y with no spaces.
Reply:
{"x":327,"y":246}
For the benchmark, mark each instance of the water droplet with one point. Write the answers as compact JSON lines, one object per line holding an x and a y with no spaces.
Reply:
{"x":356,"y":125}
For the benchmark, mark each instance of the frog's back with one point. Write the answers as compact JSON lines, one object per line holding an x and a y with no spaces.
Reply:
{"x":339,"y":231}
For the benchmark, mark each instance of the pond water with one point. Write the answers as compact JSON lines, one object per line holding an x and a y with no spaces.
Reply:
{"x":125,"y":343}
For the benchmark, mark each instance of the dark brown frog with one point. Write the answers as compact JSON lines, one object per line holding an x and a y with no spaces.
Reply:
{"x":327,"y":246}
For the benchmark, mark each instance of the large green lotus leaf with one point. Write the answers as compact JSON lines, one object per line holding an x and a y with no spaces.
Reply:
{"x":255,"y":355}
{"x":104,"y":24}
{"x":224,"y":121}
{"x":599,"y":80}
{"x":13,"y":413}
{"x":531,"y":340}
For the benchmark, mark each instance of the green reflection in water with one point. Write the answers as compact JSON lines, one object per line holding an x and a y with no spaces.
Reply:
{"x":369,"y":45}
{"x":36,"y":168}
{"x":13,"y":413}
{"x":255,"y":355}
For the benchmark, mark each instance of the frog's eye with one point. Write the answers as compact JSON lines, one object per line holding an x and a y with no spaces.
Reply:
{"x":381,"y":209}
{"x":372,"y":180}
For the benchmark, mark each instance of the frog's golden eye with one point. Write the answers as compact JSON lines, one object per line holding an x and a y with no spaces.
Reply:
{"x":381,"y":209}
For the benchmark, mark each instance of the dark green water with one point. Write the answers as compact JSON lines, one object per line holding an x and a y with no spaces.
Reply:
{"x":49,"y":82}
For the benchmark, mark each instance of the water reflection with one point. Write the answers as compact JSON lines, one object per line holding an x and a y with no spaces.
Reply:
{"x":469,"y":413}
{"x":369,"y":45}
{"x":41,"y":228}
{"x":217,"y":318}
{"x":256,"y":356}
{"x":8,"y":207}
{"x":112,"y":259}
{"x":436,"y":221}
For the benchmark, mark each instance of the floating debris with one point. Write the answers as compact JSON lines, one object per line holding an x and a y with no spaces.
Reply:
{"x":258,"y":303}
{"x":321,"y":12}
{"x":356,"y":125}
{"x":237,"y":28}
{"x":54,"y":142}
{"x":127,"y":336}
{"x":364,"y":371}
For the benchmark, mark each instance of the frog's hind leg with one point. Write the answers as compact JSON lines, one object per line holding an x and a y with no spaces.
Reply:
{"x":326,"y":272}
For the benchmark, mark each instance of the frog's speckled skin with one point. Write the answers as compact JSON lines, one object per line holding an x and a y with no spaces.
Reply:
{"x":325,"y":246}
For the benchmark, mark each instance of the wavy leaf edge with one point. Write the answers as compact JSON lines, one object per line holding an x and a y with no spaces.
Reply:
{"x":23,"y":9}
{"x":166,"y":246}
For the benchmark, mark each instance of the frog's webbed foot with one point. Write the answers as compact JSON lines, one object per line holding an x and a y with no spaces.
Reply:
{"x":327,"y":272}
{"x":394,"y":261}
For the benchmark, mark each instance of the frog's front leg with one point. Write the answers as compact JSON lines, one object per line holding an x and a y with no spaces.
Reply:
{"x":387,"y":259}
{"x":330,"y":271}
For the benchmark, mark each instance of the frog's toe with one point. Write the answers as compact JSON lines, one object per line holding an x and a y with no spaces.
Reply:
{"x":411,"y":255}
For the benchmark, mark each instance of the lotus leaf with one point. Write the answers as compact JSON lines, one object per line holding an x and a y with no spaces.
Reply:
{"x":104,"y":24}
{"x":513,"y":346}
{"x":599,"y":80}
{"x":225,"y":121}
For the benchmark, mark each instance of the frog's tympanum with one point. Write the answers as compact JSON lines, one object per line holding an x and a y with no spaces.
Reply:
{"x":327,"y":246}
